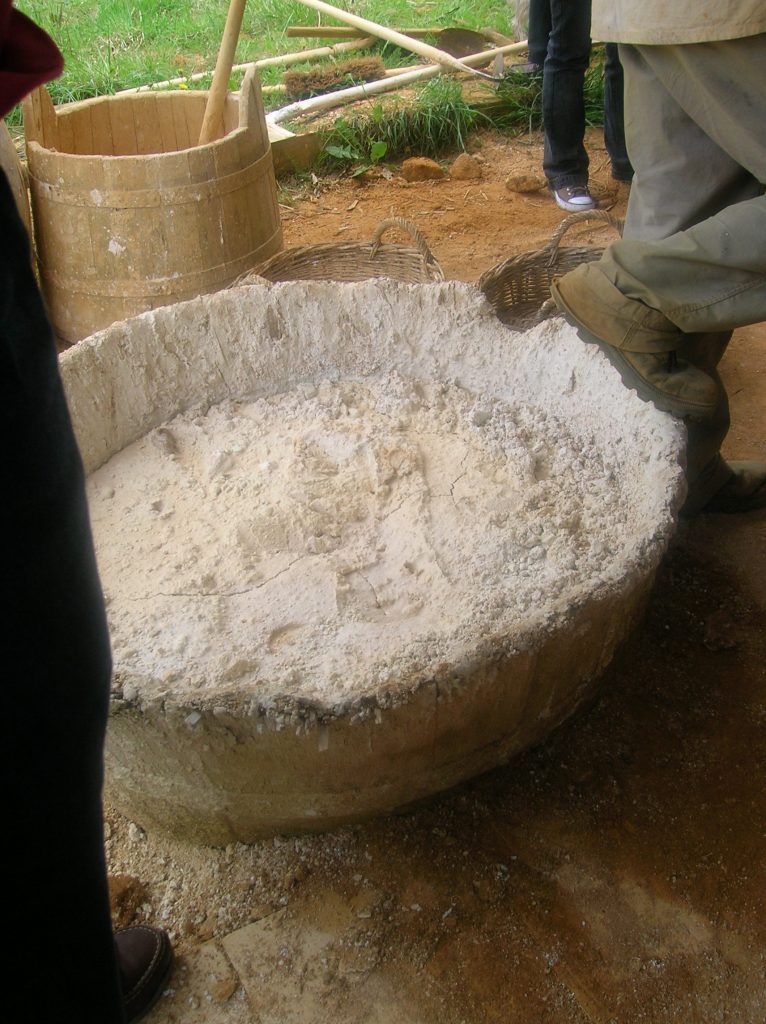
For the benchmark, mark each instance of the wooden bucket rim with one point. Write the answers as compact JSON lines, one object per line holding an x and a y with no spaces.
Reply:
{"x":36,"y":151}
{"x":247,"y":126}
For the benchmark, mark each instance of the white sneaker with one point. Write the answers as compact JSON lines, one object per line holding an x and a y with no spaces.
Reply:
{"x":574,"y":198}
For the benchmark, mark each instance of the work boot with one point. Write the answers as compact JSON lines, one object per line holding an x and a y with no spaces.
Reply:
{"x":744,"y":491}
{"x":640,"y":342}
{"x":144,"y":957}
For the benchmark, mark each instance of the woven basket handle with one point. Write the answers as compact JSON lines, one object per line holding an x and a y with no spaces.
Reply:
{"x":579,"y":218}
{"x":409,"y":227}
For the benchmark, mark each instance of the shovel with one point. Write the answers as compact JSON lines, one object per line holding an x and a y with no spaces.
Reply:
{"x":462,"y":42}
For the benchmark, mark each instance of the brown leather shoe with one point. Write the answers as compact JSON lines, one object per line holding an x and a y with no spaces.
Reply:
{"x":744,"y":491}
{"x":144,"y":957}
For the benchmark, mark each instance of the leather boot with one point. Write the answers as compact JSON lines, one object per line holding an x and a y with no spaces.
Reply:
{"x":744,"y":491}
{"x":640,"y":342}
{"x":144,"y":957}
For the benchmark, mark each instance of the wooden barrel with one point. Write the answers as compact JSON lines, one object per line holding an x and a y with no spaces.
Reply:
{"x":130,"y":213}
{"x":11,"y":166}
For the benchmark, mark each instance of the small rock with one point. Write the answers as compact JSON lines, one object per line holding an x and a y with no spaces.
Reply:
{"x":301,"y":873}
{"x":290,"y":879}
{"x":165,"y":440}
{"x":135,"y":833}
{"x":126,"y":895}
{"x":207,"y":929}
{"x":222,"y":990}
{"x":483,"y":889}
{"x":420,"y":168}
{"x":465,"y":168}
{"x":524,"y":182}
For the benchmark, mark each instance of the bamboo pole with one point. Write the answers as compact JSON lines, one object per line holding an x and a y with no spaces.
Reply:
{"x":283,"y":59}
{"x":347,"y":32}
{"x":212,"y":122}
{"x":358,"y":92}
{"x":405,"y":42}
{"x":388,"y":73}
{"x":317,"y":53}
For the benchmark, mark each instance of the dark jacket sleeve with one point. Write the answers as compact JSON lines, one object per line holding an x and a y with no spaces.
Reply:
{"x":28,"y":57}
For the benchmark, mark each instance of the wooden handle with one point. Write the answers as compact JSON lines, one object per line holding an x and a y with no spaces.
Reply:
{"x":341,"y":32}
{"x":405,"y":42}
{"x":212,"y":123}
{"x":580,"y":218}
{"x":404,"y":225}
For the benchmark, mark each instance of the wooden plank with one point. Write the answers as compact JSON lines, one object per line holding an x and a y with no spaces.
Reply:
{"x":180,"y":122}
{"x":148,"y":135}
{"x":165,"y":122}
{"x":40,"y":121}
{"x":251,"y":112}
{"x":101,"y":127}
{"x":296,"y":153}
{"x":123,"y":127}
{"x":66,"y":134}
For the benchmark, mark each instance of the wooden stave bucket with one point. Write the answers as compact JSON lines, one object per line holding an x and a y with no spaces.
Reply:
{"x":118,"y":234}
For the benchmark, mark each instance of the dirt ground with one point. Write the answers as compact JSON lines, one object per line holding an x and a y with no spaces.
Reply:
{"x":614,"y":874}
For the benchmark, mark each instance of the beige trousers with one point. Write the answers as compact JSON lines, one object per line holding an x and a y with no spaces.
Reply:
{"x":695,"y":235}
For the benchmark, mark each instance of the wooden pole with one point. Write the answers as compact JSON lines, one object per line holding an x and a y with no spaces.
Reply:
{"x":358,"y":92}
{"x":316,"y":54}
{"x":346,"y":32}
{"x":430,"y":53}
{"x":212,"y":123}
{"x":286,"y":58}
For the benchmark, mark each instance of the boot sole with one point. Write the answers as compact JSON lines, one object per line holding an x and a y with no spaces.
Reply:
{"x":631,"y":377}
{"x":646,"y":392}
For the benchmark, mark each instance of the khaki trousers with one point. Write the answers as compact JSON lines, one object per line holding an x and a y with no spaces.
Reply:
{"x":695,"y":235}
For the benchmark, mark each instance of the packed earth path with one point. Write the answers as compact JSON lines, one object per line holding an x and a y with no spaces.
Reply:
{"x":613,"y":875}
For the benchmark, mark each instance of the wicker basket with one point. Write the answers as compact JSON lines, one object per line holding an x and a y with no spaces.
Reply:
{"x":519,"y":288}
{"x":354,"y":261}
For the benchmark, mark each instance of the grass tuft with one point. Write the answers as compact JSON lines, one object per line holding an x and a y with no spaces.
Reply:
{"x":435,"y":120}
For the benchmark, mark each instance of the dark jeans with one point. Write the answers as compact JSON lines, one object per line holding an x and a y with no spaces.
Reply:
{"x":60,"y":963}
{"x":559,"y":39}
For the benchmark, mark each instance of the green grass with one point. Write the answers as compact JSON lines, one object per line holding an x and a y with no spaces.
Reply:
{"x":119,"y":44}
{"x":436,"y":119}
{"x":116,"y":44}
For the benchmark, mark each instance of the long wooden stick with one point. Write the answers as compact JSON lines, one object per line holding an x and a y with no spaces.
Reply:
{"x":405,"y":42}
{"x":357,"y":92}
{"x":388,"y":73}
{"x":286,"y":58}
{"x":315,"y":54}
{"x":346,"y":32}
{"x":212,"y":122}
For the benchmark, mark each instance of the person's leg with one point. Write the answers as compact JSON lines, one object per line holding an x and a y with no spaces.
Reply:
{"x":692,"y":253}
{"x":696,"y":142}
{"x":693,"y":241}
{"x":614,"y":121}
{"x":565,"y":160}
{"x":56,"y":667}
{"x":539,"y":30}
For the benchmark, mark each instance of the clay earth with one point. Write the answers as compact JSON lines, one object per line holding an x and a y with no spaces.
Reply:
{"x":614,"y":874}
